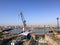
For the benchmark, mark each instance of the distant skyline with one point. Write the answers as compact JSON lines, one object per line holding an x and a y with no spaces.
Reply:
{"x":34,"y":11}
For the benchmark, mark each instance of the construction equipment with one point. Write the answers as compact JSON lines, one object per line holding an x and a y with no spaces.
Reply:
{"x":23,"y":21}
{"x":25,"y":32}
{"x":55,"y":33}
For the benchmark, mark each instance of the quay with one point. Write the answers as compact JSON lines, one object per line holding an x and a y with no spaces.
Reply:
{"x":53,"y":38}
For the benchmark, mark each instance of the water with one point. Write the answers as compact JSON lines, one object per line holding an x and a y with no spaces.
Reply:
{"x":37,"y":31}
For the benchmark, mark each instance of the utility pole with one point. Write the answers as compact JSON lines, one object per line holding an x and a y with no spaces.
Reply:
{"x":58,"y":23}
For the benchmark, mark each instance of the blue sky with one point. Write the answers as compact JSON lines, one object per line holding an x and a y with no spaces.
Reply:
{"x":34,"y":11}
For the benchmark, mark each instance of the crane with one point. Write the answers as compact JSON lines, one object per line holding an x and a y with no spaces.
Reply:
{"x":23,"y":21}
{"x":55,"y":33}
{"x":24,"y":33}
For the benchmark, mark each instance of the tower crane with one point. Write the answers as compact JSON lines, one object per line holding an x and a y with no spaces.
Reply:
{"x":23,"y":21}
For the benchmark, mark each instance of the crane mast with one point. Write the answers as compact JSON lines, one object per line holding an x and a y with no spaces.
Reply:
{"x":23,"y":21}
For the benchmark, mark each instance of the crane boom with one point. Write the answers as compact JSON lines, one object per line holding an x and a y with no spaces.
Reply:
{"x":23,"y":20}
{"x":55,"y":33}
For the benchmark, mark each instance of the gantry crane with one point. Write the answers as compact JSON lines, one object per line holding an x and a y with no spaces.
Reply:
{"x":23,"y":21}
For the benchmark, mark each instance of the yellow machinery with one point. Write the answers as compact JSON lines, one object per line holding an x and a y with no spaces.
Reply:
{"x":55,"y":33}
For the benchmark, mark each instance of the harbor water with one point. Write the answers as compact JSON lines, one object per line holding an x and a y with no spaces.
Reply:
{"x":36,"y":31}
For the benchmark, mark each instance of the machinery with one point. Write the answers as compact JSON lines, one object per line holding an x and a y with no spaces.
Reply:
{"x":55,"y":33}
{"x":23,"y":21}
{"x":24,"y":32}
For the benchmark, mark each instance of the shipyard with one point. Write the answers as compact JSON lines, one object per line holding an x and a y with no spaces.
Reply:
{"x":30,"y":35}
{"x":29,"y":22}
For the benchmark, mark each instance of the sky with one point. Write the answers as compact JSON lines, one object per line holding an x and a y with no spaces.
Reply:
{"x":34,"y":11}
